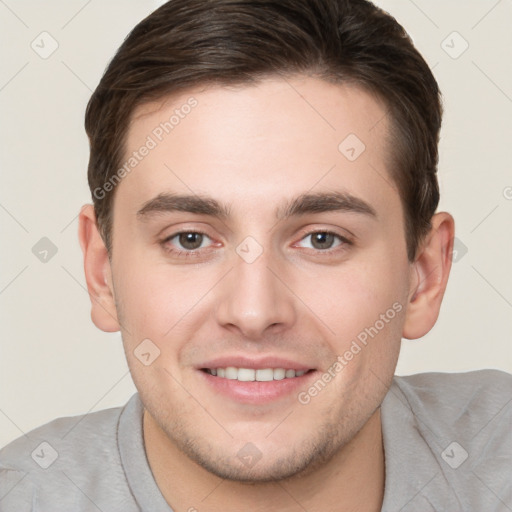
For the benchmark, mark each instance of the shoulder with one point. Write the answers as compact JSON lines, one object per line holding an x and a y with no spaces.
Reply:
{"x":483,"y":377}
{"x":475,"y":393}
{"x":455,"y":426}
{"x":467,"y":388}
{"x":70,"y":434}
{"x":461,"y":404}
{"x":69,"y":457}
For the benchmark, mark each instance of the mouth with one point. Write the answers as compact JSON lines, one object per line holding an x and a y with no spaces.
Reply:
{"x":253,"y":381}
{"x":255,"y":374}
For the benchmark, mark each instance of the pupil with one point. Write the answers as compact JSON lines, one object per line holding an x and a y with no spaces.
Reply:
{"x":191,"y":240}
{"x":323,"y":240}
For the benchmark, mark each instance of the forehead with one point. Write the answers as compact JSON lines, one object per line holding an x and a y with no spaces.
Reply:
{"x":273,"y":139}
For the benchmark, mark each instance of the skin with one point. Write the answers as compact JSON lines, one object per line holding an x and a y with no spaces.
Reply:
{"x":255,"y":148}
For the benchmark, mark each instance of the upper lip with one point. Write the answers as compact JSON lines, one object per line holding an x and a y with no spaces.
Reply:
{"x":240,"y":361}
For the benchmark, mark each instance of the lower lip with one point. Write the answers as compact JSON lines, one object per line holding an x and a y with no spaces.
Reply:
{"x":256,"y":392}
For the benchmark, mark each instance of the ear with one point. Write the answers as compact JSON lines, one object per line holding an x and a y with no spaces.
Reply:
{"x":429,"y":277}
{"x":98,"y":274}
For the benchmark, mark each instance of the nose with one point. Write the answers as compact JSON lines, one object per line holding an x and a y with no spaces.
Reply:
{"x":254,"y":298}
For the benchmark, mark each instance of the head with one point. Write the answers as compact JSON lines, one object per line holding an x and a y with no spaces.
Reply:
{"x":298,"y":141}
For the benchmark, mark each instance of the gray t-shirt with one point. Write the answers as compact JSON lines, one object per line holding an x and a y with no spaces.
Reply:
{"x":447,"y":442}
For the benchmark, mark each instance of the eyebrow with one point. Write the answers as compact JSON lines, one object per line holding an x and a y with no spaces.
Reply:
{"x":303,"y":204}
{"x":325,"y":202}
{"x":201,"y":205}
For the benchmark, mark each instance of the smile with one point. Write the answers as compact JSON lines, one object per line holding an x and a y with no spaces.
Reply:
{"x":252,"y":374}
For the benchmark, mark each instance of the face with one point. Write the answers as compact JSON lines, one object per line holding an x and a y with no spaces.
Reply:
{"x":260,"y":271}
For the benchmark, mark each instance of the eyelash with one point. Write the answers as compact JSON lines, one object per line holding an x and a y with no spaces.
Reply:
{"x":181,"y":253}
{"x":196,"y":252}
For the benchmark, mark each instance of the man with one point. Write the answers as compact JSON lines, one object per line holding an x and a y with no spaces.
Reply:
{"x":264,"y":232}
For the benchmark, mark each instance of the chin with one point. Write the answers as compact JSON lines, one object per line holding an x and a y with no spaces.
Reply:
{"x":251,"y":465}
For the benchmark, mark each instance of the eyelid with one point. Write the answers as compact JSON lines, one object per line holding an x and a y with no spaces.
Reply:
{"x":166,"y":240}
{"x":344,"y":242}
{"x":323,"y":228}
{"x":182,"y":231}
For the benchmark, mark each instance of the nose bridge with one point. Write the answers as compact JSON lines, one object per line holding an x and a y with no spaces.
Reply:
{"x":252,"y":297}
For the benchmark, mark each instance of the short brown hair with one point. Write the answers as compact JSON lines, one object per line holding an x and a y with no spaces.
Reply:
{"x":186,"y":43}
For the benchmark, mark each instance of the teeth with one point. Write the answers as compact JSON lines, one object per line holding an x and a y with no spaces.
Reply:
{"x":231,"y":373}
{"x":260,"y":375}
{"x":265,"y":375}
{"x":279,"y":373}
{"x":246,"y":374}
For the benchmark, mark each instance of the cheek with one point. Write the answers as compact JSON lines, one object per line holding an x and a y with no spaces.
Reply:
{"x":149,"y":300}
{"x":161,"y":304}
{"x":350,"y":298}
{"x":363,"y":306}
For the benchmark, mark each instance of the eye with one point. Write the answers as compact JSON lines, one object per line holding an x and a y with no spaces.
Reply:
{"x":185,"y":241}
{"x":325,"y":240}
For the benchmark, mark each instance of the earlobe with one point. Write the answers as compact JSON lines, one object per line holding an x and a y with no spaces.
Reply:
{"x":97,"y":272}
{"x":429,"y":277}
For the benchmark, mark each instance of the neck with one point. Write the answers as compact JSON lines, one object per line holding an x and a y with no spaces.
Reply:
{"x":353,"y":480}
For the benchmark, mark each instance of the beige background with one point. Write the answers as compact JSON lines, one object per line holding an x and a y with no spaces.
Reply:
{"x":54,"y":362}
